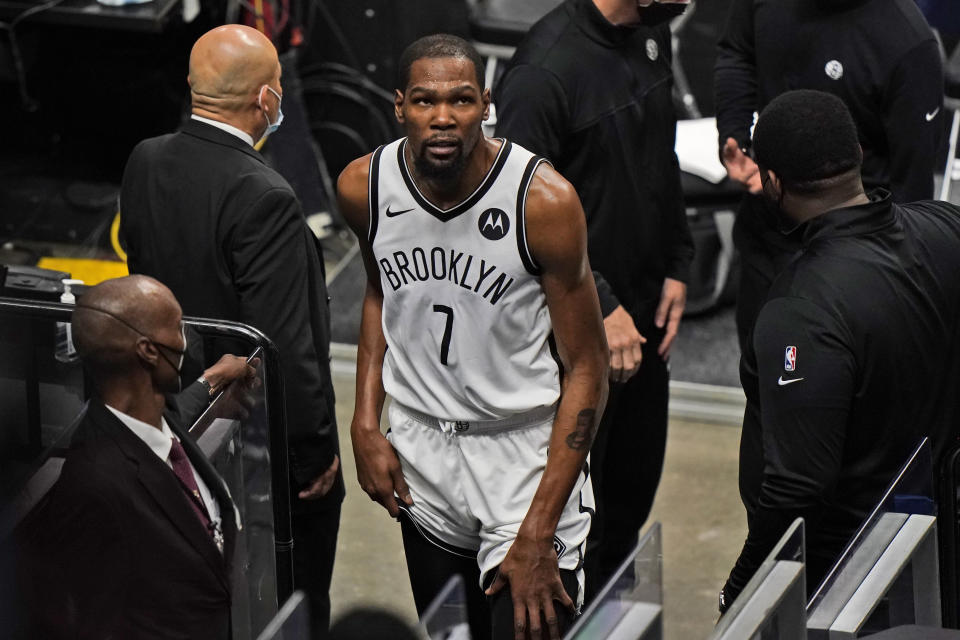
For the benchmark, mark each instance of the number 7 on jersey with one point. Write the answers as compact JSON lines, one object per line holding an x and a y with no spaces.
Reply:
{"x":445,"y":341}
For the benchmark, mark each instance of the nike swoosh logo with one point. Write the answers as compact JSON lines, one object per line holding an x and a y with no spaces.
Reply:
{"x":933,"y":114}
{"x":392,"y":214}
{"x":783,"y":382}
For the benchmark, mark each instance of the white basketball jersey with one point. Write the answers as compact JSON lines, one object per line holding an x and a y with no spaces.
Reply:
{"x":465,"y":318}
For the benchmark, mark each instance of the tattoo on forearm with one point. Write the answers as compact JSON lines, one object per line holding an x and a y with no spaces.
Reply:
{"x":582,"y":436}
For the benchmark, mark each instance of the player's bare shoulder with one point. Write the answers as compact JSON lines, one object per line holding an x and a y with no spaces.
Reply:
{"x":551,"y":195}
{"x":352,"y":193}
{"x":556,"y":225}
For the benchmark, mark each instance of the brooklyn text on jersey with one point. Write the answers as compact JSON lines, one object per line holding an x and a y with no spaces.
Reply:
{"x":453,"y":266}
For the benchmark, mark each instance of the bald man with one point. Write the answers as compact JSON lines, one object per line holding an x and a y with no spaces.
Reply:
{"x":203,"y":213}
{"x":136,"y":537}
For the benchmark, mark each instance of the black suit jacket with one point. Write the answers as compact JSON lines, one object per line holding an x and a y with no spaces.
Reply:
{"x":116,"y":551}
{"x":203,"y":213}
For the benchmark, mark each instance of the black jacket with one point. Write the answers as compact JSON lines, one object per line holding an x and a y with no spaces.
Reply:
{"x":879,"y":56}
{"x":870,"y":312}
{"x":116,"y":551}
{"x":595,"y":99}
{"x":203,"y":213}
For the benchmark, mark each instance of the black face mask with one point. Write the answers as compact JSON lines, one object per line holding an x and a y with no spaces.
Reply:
{"x":190,"y":366}
{"x":773,"y":204}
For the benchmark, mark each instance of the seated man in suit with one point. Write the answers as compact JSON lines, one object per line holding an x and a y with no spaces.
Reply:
{"x":135,"y":538}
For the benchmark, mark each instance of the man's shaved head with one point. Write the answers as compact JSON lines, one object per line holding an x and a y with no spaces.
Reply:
{"x":111,"y":317}
{"x":228,"y":64}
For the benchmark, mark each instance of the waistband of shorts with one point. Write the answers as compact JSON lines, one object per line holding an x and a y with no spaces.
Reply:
{"x":535,"y":416}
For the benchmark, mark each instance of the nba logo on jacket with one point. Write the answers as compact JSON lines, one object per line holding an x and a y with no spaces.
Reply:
{"x":790,"y":359}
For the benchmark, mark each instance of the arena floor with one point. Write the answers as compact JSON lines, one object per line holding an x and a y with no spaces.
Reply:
{"x":697,"y":504}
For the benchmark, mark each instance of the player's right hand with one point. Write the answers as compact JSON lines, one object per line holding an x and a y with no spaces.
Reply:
{"x":531,"y":570}
{"x":378,"y":469}
{"x":624,"y":342}
{"x":740,"y":167}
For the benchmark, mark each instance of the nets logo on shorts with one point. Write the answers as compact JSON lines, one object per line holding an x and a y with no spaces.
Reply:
{"x":558,"y":546}
{"x":790,"y":359}
{"x":493,"y":224}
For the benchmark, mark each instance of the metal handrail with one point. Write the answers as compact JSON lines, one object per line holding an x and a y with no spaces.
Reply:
{"x":274,"y":395}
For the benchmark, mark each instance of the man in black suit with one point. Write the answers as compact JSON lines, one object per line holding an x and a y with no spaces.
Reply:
{"x":204,"y":214}
{"x":135,"y":538}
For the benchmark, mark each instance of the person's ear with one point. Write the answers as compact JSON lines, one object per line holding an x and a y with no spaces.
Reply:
{"x":769,"y":178}
{"x":262,"y":99}
{"x":776,"y":182}
{"x":776,"y":190}
{"x":147,"y":352}
{"x":398,"y":105}
{"x":485,"y":100}
{"x":774,"y":178}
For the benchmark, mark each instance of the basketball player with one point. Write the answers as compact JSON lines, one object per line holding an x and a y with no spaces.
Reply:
{"x":481,"y":320}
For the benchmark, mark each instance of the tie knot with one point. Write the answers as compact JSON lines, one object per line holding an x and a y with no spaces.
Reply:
{"x":176,"y":451}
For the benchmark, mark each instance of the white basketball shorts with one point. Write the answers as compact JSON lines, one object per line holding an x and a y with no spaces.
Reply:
{"x":472,"y":483}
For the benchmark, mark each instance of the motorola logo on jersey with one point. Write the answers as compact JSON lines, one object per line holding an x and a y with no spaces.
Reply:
{"x":494,"y":224}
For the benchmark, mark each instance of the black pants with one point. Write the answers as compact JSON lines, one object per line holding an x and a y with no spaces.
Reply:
{"x":314,"y":548}
{"x":626,"y":461}
{"x":490,"y":618}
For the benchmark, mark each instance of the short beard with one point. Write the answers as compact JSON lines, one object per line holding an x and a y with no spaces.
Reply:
{"x":447,"y":172}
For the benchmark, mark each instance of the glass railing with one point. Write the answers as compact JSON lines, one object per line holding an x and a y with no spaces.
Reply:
{"x":630,"y":605}
{"x":446,"y":617}
{"x":292,"y":622}
{"x":43,"y":393}
{"x":887,"y":575}
{"x":40,"y":395}
{"x":772,"y":605}
{"x":234,"y":435}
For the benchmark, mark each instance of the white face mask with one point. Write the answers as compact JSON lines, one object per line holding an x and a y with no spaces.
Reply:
{"x":271,"y":126}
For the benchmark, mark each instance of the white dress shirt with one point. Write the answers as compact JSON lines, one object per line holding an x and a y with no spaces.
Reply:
{"x":160,"y":442}
{"x":229,"y":128}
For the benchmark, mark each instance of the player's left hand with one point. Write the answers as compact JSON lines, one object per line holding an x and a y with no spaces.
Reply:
{"x":532,"y":571}
{"x":673,"y":299}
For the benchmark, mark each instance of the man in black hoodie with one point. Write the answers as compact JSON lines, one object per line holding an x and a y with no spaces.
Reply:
{"x":589,"y":88}
{"x":854,"y":354}
{"x":879,"y":56}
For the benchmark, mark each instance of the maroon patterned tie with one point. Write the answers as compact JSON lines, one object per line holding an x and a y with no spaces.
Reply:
{"x":181,"y":467}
